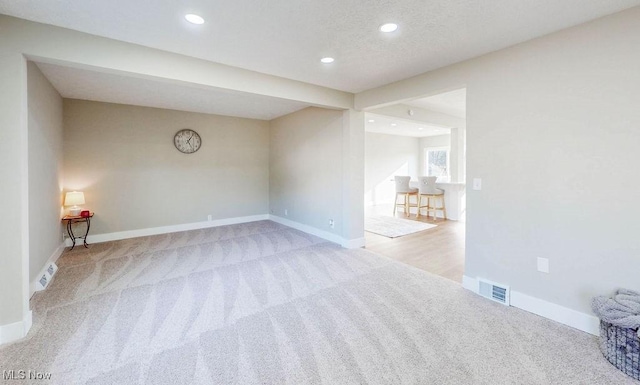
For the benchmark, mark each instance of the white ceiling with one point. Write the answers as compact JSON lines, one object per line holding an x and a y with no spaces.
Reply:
{"x":452,"y":103}
{"x":84,"y":84}
{"x":385,"y":125}
{"x":287,"y":38}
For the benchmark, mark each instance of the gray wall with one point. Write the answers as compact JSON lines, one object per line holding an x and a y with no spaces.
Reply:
{"x":22,"y":38}
{"x":386,"y":156}
{"x":14,"y":198}
{"x":557,"y":181}
{"x":306,"y":176}
{"x":124,"y":160}
{"x":45,"y":169}
{"x":553,"y":131}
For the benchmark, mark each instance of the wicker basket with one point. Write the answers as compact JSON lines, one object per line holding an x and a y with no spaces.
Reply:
{"x":621,"y":347}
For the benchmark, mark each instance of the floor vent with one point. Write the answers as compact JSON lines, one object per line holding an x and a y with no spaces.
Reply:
{"x":44,"y":281}
{"x":494,"y":291}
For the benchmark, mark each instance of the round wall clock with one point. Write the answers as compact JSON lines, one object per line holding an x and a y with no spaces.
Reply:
{"x":187,"y":141}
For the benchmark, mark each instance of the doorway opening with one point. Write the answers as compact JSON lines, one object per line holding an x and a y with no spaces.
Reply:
{"x":425,"y":137}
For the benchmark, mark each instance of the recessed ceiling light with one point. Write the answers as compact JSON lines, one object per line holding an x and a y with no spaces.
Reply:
{"x":420,"y":128}
{"x":389,"y":27}
{"x":195,"y":19}
{"x":327,"y":60}
{"x":393,"y":124}
{"x":371,"y":120}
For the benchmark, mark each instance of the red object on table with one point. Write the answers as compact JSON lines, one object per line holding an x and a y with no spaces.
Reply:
{"x":85,"y":214}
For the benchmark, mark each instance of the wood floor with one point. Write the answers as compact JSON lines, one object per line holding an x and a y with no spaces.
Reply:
{"x":439,"y":250}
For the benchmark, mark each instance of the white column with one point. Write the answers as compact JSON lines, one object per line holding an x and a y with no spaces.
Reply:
{"x":15,"y":317}
{"x":456,"y":155}
{"x":453,"y":155}
{"x":353,"y":178}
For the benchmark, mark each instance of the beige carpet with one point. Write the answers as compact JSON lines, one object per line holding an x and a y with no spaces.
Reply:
{"x":260,"y":303}
{"x":392,"y":227}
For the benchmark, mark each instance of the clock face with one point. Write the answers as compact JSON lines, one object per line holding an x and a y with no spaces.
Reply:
{"x":187,"y":141}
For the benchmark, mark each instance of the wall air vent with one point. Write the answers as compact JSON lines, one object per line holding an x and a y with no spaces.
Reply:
{"x":493,"y":291}
{"x":44,"y":281}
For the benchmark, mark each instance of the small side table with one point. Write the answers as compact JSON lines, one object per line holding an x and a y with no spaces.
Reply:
{"x":71,"y":219}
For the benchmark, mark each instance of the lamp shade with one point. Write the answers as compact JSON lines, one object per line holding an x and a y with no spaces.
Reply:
{"x":74,"y":198}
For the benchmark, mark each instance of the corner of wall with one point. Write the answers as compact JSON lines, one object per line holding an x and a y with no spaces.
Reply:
{"x":353,"y":243}
{"x":346,"y":243}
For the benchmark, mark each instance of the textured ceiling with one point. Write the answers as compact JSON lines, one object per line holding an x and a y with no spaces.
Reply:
{"x":287,"y":38}
{"x":452,"y":103}
{"x":382,"y":124}
{"x":76,"y":83}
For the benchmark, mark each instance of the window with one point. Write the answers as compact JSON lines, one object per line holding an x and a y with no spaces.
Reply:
{"x":437,"y":162}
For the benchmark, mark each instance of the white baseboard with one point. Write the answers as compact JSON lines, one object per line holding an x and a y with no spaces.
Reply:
{"x":52,"y":259}
{"x":167,"y":229}
{"x":346,"y":243}
{"x":581,"y":321}
{"x":14,"y":331}
{"x":470,"y":284}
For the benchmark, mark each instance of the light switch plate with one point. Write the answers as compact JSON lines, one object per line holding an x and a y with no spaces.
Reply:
{"x":543,"y":265}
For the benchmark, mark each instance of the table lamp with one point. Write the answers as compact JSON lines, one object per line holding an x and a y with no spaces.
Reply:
{"x":74,"y":198}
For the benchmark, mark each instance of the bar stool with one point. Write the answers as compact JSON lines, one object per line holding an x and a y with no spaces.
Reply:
{"x":428,"y":190}
{"x":403,"y":188}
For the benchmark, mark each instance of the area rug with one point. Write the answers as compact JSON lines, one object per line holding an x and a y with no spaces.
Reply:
{"x":393,"y":227}
{"x":261,"y":303}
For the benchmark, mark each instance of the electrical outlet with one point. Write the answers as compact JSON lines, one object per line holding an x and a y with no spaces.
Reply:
{"x":209,"y":217}
{"x":477,"y":183}
{"x":331,"y":223}
{"x":543,"y":265}
{"x":286,"y":212}
{"x":64,"y":236}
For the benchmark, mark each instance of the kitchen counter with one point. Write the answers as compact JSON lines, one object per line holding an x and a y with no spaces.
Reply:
{"x":454,"y":198}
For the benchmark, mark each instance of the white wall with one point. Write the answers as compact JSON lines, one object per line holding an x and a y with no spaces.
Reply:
{"x":385,"y":157}
{"x":124,"y":159}
{"x":423,"y":115}
{"x":435,"y":141}
{"x":305,"y":166}
{"x":45,"y":170}
{"x":552,"y":130}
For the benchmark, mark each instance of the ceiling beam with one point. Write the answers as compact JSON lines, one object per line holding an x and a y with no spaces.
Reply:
{"x":55,"y":45}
